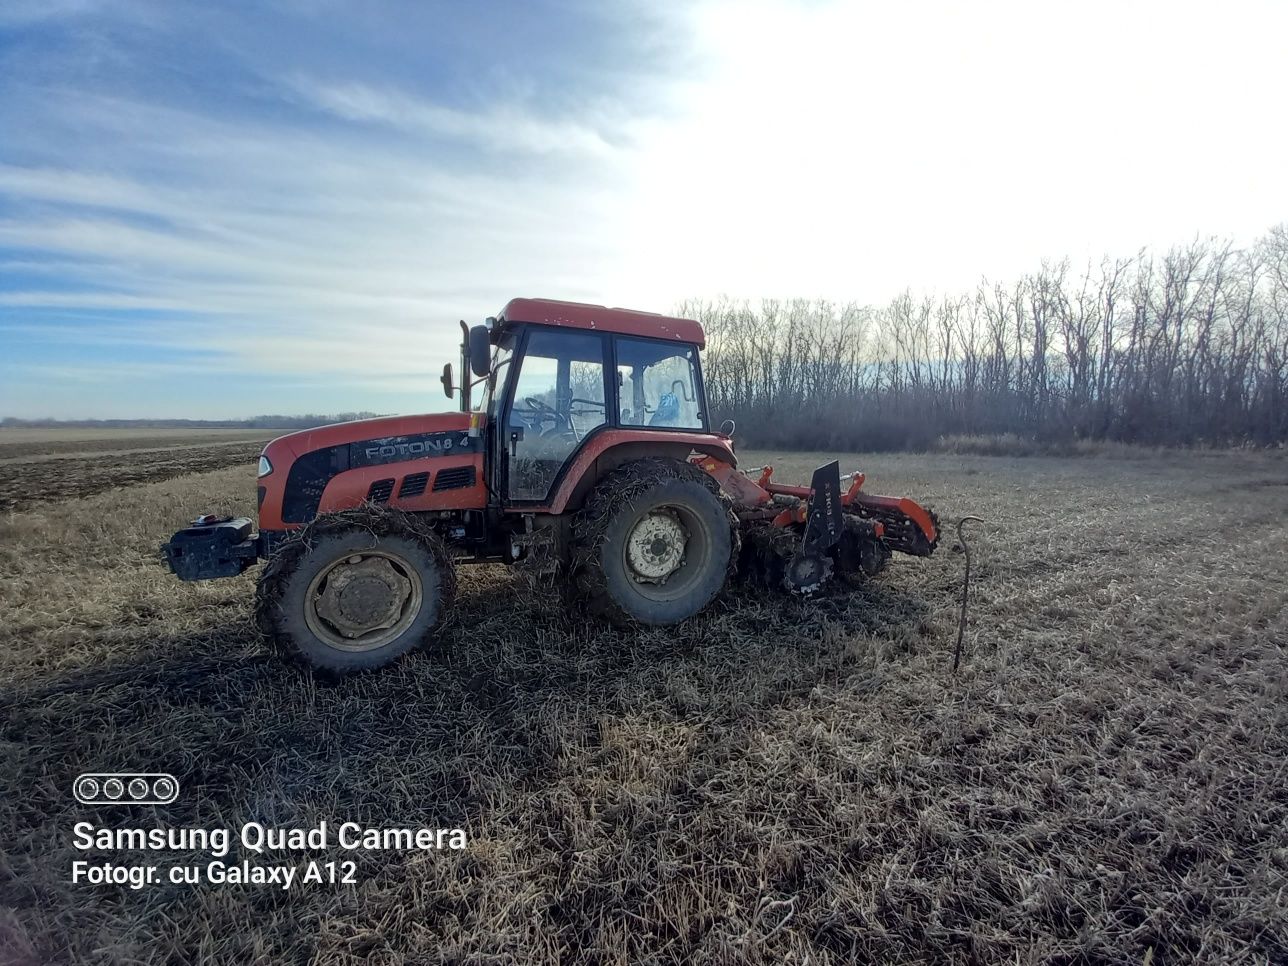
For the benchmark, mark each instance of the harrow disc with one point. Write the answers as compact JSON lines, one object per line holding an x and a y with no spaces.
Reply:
{"x":771,"y":559}
{"x":807,"y":573}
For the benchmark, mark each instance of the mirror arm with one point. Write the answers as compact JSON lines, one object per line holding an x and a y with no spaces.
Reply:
{"x":465,"y":367}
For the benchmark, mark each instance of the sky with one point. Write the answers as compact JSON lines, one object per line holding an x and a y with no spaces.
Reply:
{"x":216,"y":210}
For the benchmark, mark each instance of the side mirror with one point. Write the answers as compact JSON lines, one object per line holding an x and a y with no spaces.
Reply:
{"x":480,"y":350}
{"x":447,"y":380}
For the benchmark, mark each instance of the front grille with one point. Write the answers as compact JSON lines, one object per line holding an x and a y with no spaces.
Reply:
{"x":413,"y":485}
{"x":454,"y":479}
{"x":380,"y":491}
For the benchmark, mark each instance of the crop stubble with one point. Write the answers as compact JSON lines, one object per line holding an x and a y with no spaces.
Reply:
{"x":773,"y":781}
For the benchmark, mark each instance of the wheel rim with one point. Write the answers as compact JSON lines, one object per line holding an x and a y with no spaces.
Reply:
{"x":665,"y":552}
{"x":655,"y":547}
{"x":363,"y":600}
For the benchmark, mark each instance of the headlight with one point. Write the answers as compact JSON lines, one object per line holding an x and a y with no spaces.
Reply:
{"x":265,"y":467}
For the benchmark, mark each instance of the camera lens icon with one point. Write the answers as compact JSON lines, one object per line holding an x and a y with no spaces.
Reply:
{"x":87,"y":788}
{"x":134,"y":788}
{"x":164,"y":788}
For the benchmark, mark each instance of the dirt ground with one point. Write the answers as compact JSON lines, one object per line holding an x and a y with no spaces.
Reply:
{"x":774,"y":781}
{"x":51,"y":465}
{"x":28,"y":441}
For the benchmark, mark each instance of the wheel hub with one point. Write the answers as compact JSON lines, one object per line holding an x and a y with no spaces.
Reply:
{"x":655,"y":547}
{"x":363,"y":594}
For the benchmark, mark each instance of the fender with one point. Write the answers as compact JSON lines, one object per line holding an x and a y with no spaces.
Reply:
{"x":610,"y":448}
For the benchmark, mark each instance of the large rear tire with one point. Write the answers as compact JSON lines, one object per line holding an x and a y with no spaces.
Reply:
{"x":653,"y":543}
{"x":355,"y":590}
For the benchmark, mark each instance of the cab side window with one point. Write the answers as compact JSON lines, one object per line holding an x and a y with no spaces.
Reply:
{"x":657,"y":384}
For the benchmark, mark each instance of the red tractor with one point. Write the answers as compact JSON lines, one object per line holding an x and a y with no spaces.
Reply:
{"x":590,"y":462}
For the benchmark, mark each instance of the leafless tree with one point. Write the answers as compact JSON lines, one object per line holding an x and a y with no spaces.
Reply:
{"x":1188,"y":347}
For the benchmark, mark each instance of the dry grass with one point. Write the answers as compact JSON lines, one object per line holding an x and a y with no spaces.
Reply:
{"x":1105,"y":780}
{"x":1011,"y":444}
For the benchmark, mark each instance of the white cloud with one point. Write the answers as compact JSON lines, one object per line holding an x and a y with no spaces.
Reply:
{"x":842,"y":150}
{"x":850,"y":149}
{"x":294,"y":253}
{"x":497,"y":128}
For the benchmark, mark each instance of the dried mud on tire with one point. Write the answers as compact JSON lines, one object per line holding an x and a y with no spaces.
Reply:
{"x":274,"y":583}
{"x":603,"y":508}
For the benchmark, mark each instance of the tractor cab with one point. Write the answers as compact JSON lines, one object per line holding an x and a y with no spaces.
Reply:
{"x":558,"y":375}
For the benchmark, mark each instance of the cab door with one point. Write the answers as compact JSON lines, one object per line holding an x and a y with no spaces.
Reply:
{"x":558,"y":397}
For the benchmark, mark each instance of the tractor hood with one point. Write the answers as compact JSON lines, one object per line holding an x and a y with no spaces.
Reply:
{"x":340,"y":466}
{"x":384,"y":431}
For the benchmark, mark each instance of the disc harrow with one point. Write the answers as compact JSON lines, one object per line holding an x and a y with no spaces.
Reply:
{"x":772,"y":559}
{"x":795,"y":537}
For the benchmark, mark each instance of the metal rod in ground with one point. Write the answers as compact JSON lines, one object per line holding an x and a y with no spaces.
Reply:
{"x":961,"y":621}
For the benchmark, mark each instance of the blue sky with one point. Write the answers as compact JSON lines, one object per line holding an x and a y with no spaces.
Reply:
{"x":222,"y":209}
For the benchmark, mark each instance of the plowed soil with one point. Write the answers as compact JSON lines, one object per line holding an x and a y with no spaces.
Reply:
{"x":51,"y":472}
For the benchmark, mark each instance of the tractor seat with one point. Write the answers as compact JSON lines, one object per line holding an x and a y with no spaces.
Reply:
{"x":668,"y":411}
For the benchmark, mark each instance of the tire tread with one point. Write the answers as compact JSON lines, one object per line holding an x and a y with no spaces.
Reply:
{"x":619,"y":489}
{"x":378,"y":521}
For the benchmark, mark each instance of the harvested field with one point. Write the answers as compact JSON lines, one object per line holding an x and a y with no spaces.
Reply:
{"x":1105,"y":780}
{"x":50,"y":467}
{"x":22,"y":442}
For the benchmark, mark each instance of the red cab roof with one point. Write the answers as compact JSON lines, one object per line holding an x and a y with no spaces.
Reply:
{"x":580,"y":315}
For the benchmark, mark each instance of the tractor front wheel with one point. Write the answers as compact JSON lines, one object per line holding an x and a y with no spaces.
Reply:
{"x":355,"y":590}
{"x":653,"y":542}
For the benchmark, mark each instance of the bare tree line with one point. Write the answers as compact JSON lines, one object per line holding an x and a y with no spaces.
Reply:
{"x":1187,"y":347}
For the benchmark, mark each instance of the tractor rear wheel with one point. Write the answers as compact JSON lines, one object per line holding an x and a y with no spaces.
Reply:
{"x":653,"y":542}
{"x":355,"y":590}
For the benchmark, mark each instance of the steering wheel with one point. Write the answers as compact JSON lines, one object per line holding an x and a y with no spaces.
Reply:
{"x":541,"y":408}
{"x":542,"y":411}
